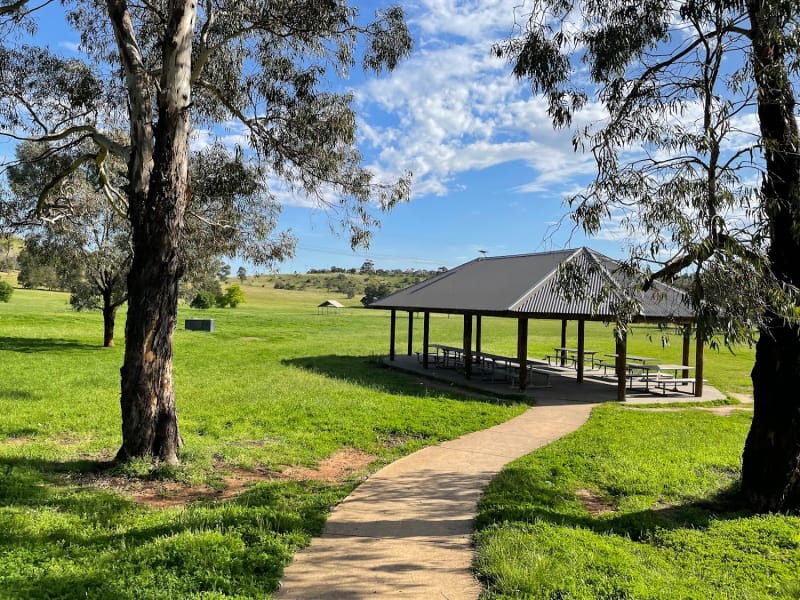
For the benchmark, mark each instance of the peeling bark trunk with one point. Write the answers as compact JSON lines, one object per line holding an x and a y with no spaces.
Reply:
{"x":771,"y":459}
{"x":156,"y":210}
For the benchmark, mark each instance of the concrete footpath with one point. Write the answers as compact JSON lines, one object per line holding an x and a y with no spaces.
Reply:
{"x":406,"y":531}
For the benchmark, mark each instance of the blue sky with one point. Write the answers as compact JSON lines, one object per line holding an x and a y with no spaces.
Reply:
{"x":490,"y":173}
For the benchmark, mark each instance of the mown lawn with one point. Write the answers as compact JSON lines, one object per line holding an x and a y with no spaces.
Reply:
{"x":275,"y":386}
{"x":638,"y":504}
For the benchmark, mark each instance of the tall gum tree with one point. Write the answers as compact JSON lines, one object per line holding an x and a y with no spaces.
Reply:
{"x":179,"y":64}
{"x":697,"y":189}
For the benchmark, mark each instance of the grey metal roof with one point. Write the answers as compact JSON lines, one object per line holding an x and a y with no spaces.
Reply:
{"x":528,"y":284}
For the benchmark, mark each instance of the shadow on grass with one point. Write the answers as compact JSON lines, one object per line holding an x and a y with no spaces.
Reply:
{"x":31,"y":345}
{"x":548,"y":507}
{"x":18,"y":395}
{"x":370,"y":372}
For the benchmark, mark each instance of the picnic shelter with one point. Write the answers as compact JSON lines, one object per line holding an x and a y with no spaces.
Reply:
{"x":530,"y":286}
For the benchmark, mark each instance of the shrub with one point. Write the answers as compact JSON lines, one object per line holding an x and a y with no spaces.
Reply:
{"x":233,"y":296}
{"x":5,"y":291}
{"x":203,"y":300}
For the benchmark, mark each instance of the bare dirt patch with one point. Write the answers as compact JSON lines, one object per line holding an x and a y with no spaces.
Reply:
{"x":17,"y":441}
{"x":727,"y":411}
{"x":594,"y":503}
{"x":722,"y":411}
{"x":166,"y":494}
{"x":335,"y":468}
{"x":743,"y":398}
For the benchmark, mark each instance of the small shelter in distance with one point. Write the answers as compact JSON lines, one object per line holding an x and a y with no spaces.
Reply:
{"x":327,"y":305}
{"x":525,"y":287}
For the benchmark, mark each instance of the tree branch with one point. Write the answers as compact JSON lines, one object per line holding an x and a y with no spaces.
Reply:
{"x":40,"y":204}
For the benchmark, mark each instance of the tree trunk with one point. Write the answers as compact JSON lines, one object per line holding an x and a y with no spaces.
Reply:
{"x":149,"y":416}
{"x":109,"y":320}
{"x":771,"y":459}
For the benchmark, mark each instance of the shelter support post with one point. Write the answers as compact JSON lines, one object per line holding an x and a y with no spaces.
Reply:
{"x":698,"y":365}
{"x":477,"y":334}
{"x":392,"y":334}
{"x":622,"y":363}
{"x":581,"y":349}
{"x":410,"y":332}
{"x":563,"y":342}
{"x":687,"y":340}
{"x":468,"y":346}
{"x":426,"y":336}
{"x":522,"y":352}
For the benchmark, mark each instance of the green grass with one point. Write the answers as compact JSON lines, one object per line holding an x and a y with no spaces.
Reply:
{"x":275,"y":385}
{"x":662,"y":522}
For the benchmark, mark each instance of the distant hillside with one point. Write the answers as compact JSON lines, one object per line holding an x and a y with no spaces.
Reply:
{"x":351,"y":285}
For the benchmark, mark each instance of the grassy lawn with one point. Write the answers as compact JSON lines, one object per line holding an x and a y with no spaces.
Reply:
{"x":638,"y":504}
{"x":277,"y":390}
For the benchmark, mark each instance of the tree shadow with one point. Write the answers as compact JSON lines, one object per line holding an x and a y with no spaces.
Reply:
{"x":371,"y":372}
{"x":726,"y":504}
{"x":18,"y":395}
{"x":32,"y":345}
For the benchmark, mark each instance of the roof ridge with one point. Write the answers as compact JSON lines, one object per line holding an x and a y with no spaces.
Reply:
{"x":544,"y":280}
{"x":616,"y":288}
{"x":503,"y":256}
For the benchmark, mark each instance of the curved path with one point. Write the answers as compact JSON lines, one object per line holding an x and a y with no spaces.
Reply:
{"x":407,"y":531}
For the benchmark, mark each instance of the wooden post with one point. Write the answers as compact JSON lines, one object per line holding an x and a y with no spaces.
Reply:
{"x":467,"y":346}
{"x":522,"y":352}
{"x":563,"y":361}
{"x":426,"y":336}
{"x":622,"y":364}
{"x":687,"y":340}
{"x":698,"y":365}
{"x":392,"y":328}
{"x":477,"y":334}
{"x":581,"y":348}
{"x":410,"y":332}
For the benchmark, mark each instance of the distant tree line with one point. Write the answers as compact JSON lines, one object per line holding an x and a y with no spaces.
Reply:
{"x":368,"y":268}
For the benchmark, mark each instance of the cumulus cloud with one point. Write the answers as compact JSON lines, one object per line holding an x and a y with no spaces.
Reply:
{"x":454,"y":107}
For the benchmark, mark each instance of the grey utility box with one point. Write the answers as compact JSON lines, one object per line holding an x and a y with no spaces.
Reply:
{"x":200,"y":324}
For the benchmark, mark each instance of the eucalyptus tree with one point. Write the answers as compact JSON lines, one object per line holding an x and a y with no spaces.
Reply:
{"x":160,"y":69}
{"x":687,"y":173}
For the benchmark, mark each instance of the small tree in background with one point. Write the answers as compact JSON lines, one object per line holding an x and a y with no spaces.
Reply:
{"x":375,"y":291}
{"x":241,"y":273}
{"x":224,"y":272}
{"x":5,"y":291}
{"x":203,"y":300}
{"x":232,"y":297}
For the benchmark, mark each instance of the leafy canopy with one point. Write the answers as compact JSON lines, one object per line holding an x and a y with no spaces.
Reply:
{"x":678,"y":155}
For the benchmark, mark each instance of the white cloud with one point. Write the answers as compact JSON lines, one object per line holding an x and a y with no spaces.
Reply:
{"x":453,"y":107}
{"x":73,"y":47}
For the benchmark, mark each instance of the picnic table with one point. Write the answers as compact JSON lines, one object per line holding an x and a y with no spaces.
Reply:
{"x":571,"y":354}
{"x":495,"y":366}
{"x":674,"y":380}
{"x":449,"y":354}
{"x":641,"y":359}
